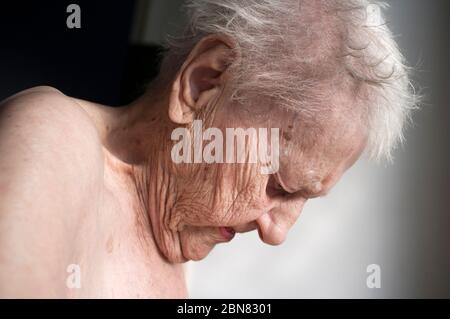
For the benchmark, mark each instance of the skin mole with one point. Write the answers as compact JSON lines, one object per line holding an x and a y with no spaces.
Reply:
{"x":110,"y":245}
{"x":286,"y":135}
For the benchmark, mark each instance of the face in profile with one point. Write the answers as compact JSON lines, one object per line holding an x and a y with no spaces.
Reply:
{"x":217,"y":200}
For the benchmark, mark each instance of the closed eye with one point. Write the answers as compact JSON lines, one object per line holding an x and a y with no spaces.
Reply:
{"x":274,"y":189}
{"x":312,"y":195}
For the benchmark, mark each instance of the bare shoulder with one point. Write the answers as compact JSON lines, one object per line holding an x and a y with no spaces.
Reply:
{"x":44,"y":123}
{"x":36,"y":107}
{"x":47,"y":140}
{"x":51,"y":164}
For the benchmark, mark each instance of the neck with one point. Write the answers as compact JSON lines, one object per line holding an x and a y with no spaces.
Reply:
{"x":141,"y":142}
{"x":137,"y":153}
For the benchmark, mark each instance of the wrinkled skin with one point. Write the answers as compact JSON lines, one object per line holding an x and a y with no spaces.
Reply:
{"x":210,"y":196}
{"x":206,"y":197}
{"x":107,"y":196}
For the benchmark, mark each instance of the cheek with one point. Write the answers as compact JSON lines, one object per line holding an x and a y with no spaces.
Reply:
{"x":224,"y":195}
{"x":243,"y":197}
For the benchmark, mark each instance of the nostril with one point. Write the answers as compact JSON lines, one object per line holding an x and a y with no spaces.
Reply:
{"x":260,"y":234}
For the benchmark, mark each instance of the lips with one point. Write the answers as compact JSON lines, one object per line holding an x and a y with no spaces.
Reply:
{"x":227,"y":232}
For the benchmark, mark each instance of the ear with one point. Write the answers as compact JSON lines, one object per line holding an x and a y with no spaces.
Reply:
{"x":200,"y":78}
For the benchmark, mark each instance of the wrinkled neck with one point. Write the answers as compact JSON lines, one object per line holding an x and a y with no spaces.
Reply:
{"x":141,"y":143}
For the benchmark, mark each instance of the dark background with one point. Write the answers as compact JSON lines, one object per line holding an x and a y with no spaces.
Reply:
{"x":95,"y":62}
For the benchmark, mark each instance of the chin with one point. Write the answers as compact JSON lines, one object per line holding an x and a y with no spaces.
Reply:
{"x":195,"y":253}
{"x":195,"y":243}
{"x":188,"y":251}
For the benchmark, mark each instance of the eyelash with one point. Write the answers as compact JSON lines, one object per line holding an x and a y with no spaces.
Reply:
{"x":274,"y":189}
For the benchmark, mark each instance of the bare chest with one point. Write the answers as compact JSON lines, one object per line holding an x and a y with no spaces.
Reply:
{"x":119,"y":262}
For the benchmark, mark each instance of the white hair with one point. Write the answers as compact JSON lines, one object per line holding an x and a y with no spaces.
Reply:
{"x":293,"y":51}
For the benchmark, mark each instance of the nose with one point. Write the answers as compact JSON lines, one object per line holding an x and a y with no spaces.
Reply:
{"x":274,"y":225}
{"x":269,"y":232}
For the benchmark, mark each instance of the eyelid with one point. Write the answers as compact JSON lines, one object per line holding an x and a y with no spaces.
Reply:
{"x":312,"y":196}
{"x":274,"y":187}
{"x":282,"y":185}
{"x":317,"y":190}
{"x":318,"y":194}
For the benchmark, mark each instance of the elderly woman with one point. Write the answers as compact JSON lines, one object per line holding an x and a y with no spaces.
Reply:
{"x":121,"y":198}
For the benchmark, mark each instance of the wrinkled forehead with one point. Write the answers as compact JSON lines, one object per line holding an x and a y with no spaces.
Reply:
{"x":314,"y":143}
{"x":326,"y":155}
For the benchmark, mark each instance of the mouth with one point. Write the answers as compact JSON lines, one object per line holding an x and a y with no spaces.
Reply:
{"x":227,"y":233}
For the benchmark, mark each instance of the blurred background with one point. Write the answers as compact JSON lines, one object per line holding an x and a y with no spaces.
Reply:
{"x":396,"y":216}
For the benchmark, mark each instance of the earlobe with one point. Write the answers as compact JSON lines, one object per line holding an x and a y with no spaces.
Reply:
{"x":199,"y":79}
